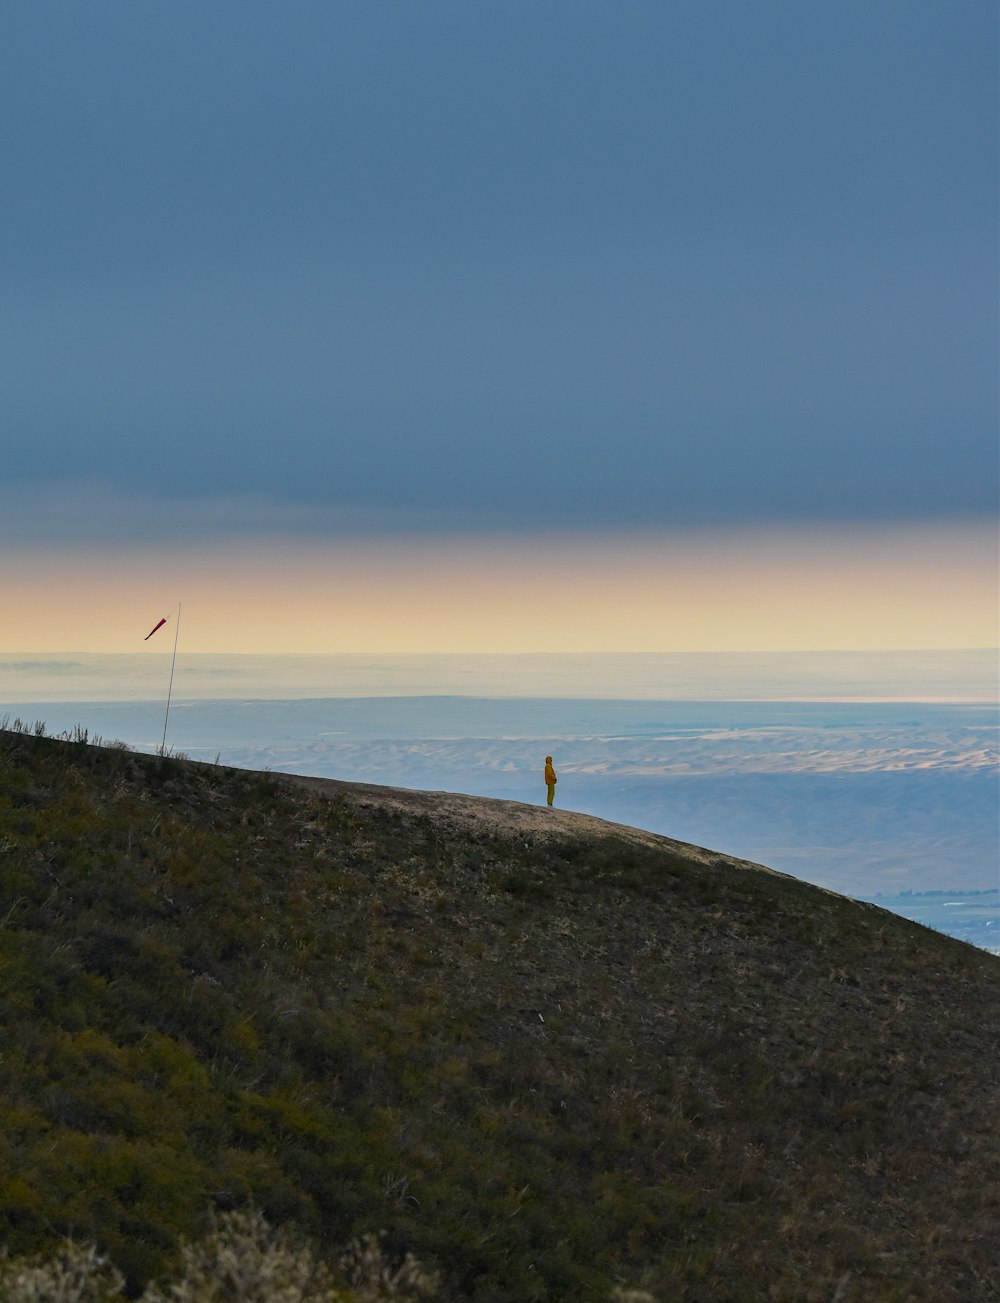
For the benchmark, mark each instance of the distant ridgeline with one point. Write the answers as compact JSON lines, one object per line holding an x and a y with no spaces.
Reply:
{"x":941,"y":891}
{"x":548,"y":1057}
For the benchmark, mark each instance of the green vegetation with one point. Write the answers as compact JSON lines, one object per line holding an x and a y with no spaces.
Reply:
{"x":546,"y":1066}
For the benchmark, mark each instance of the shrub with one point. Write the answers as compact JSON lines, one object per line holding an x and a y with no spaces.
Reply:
{"x":242,"y":1260}
{"x":74,"y":1275}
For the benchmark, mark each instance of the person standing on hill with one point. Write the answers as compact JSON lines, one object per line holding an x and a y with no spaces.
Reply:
{"x":550,"y":779}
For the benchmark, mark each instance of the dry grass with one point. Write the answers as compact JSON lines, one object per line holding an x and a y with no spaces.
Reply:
{"x":550,"y":1058}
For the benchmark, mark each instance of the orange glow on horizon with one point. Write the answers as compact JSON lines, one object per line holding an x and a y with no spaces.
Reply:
{"x":790,"y":589}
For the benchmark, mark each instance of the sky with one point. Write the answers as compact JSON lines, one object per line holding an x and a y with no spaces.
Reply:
{"x":375,"y":326}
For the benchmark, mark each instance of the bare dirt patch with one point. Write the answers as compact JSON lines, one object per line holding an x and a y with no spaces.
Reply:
{"x":459,"y":812}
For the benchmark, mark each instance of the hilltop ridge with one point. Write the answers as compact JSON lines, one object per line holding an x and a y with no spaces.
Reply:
{"x":463,"y":814}
{"x":546,"y":1054}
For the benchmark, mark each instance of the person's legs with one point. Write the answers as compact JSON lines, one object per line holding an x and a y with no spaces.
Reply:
{"x":551,"y":791}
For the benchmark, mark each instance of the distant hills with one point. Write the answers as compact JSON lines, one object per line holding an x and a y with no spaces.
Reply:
{"x":547,"y":1055}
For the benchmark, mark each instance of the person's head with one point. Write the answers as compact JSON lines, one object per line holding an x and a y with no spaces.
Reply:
{"x":548,"y":760}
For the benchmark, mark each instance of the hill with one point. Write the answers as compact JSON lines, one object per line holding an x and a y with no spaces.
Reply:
{"x":546,"y":1054}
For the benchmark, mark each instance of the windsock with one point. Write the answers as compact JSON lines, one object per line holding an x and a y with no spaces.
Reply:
{"x":159,"y":625}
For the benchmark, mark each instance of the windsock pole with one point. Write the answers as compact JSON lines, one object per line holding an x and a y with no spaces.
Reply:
{"x":170,"y":688}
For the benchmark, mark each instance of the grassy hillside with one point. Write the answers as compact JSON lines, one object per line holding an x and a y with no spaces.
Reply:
{"x":546,"y":1055}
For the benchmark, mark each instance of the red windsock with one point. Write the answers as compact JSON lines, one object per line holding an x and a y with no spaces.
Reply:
{"x":154,"y":629}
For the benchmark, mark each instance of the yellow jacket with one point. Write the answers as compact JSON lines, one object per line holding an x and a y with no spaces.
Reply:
{"x":550,"y":773}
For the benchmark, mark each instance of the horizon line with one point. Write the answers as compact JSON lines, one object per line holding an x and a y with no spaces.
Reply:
{"x":743,"y":651}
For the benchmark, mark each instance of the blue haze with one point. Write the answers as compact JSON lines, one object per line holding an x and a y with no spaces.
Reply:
{"x":864,"y":797}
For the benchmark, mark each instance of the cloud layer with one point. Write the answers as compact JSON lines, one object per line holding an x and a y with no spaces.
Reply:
{"x":508,"y":267}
